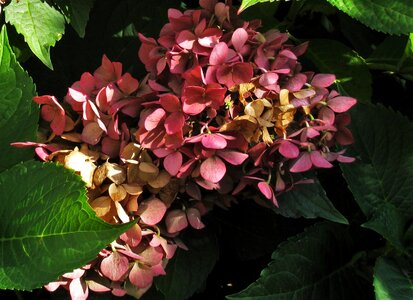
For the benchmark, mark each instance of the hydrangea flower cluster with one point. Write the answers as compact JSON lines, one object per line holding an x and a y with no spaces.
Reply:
{"x":224,"y":108}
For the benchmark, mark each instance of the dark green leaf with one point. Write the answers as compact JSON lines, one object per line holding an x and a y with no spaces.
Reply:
{"x":76,"y":12}
{"x":392,"y":281}
{"x":395,"y":17}
{"x":47,"y":227}
{"x":353,"y":75}
{"x":40,"y":24}
{"x":308,"y":201}
{"x":316,"y":264}
{"x":16,"y":107}
{"x":188,"y":270}
{"x":382,"y":178}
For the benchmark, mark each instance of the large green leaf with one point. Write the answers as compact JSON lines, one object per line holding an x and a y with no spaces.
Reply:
{"x":394,"y":17}
{"x":382,"y":178}
{"x":248,"y":3}
{"x":18,"y":113}
{"x":316,"y":264}
{"x":39,"y":23}
{"x":353,"y":75}
{"x":392,"y":281}
{"x":188,"y":270}
{"x":47,"y":227}
{"x":308,"y":201}
{"x":76,"y":12}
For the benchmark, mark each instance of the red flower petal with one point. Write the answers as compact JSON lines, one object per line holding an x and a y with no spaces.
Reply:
{"x":174,"y":122}
{"x":302,"y":164}
{"x":213,"y":169}
{"x":233,"y":157}
{"x":128,"y":84}
{"x":186,"y":39}
{"x":152,"y":211}
{"x":170,"y":102}
{"x":173,"y":162}
{"x":341,"y":104}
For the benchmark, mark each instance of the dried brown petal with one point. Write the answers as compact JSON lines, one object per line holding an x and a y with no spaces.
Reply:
{"x":169,"y":192}
{"x":133,"y":188}
{"x":115,"y":173}
{"x":102,"y":205}
{"x":161,"y":180}
{"x":100,"y":175}
{"x":72,"y":137}
{"x":117,"y":192}
{"x":131,"y":152}
{"x":148,"y":171}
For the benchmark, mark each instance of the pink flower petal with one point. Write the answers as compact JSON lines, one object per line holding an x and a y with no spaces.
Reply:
{"x":268,"y":80}
{"x":176,"y":221}
{"x":154,"y":118}
{"x":295,"y":83}
{"x":140,"y":276}
{"x":186,"y":39}
{"x":323,"y":80}
{"x":219,"y":54}
{"x":128,"y":84}
{"x":173,"y":162}
{"x":132,"y":236}
{"x":152,"y":211}
{"x":194,"y":218}
{"x":170,"y":102}
{"x":213,"y":169}
{"x":78,"y":289}
{"x":265,"y":189}
{"x":318,"y":160}
{"x":302,"y":164}
{"x":213,"y":141}
{"x":115,"y":266}
{"x":239,"y":38}
{"x":341,"y":104}
{"x":288,"y":149}
{"x":174,"y":122}
{"x":233,"y":157}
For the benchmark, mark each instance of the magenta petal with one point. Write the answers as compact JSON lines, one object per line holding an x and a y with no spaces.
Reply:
{"x":327,"y":115}
{"x":153,"y":119}
{"x":174,"y":122}
{"x":268,"y":80}
{"x":319,"y":161}
{"x":239,"y":38}
{"x":78,"y":289}
{"x":114,"y":266}
{"x":176,"y":221}
{"x":219,"y":54}
{"x":173,"y":162}
{"x":194,"y":218}
{"x":302,"y":164}
{"x":233,"y":157}
{"x":214,"y":141}
{"x":323,"y":80}
{"x":341,"y":104}
{"x":288,"y":149}
{"x":186,"y":39}
{"x":265,"y":189}
{"x":213,"y":169}
{"x":295,"y":83}
{"x":152,"y":211}
{"x":140,"y":276}
{"x":345,"y":159}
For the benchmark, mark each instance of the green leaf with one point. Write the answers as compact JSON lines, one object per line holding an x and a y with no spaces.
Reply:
{"x":382,"y":178}
{"x":353,"y":75}
{"x":47,"y":227}
{"x":308,"y":201}
{"x":188,"y":270}
{"x":40,"y":24}
{"x":395,"y":17}
{"x":248,"y":3}
{"x":16,"y":107}
{"x":76,"y":12}
{"x":392,"y":281}
{"x":316,"y":264}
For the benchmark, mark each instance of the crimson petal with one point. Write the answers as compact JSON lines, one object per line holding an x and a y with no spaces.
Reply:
{"x":173,"y":162}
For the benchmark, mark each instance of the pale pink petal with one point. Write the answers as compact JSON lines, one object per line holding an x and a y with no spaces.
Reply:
{"x":154,"y":118}
{"x":132,"y":236}
{"x":78,"y":289}
{"x":115,"y":266}
{"x":173,"y":162}
{"x":176,"y":221}
{"x":213,"y":169}
{"x":152,"y":211}
{"x":76,"y":273}
{"x":140,"y":276}
{"x":345,"y":159}
{"x":341,"y":104}
{"x":288,"y":149}
{"x":323,"y":80}
{"x":268,"y":80}
{"x":186,"y":39}
{"x":194,"y":218}
{"x":239,"y":38}
{"x":302,"y":164}
{"x":219,"y":54}
{"x":98,"y":287}
{"x":318,"y":160}
{"x":233,"y":157}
